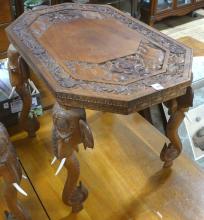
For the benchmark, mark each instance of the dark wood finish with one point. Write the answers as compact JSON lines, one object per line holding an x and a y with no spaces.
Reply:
{"x":3,"y":38}
{"x":116,"y":85}
{"x":103,"y":60}
{"x":146,"y":113}
{"x":198,"y":50}
{"x":177,"y":107}
{"x":19,"y":74}
{"x":6,"y":16}
{"x":71,"y":129}
{"x":150,"y":14}
{"x":19,"y":7}
{"x":11,"y":172}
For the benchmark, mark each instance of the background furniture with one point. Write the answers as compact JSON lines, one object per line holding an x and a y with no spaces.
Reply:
{"x":9,"y":10}
{"x":129,"y":6}
{"x":156,"y":10}
{"x":6,"y":16}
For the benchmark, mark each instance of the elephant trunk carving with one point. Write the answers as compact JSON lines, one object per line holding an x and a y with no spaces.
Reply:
{"x":70,"y":129}
{"x":177,"y":108}
{"x":19,"y":73}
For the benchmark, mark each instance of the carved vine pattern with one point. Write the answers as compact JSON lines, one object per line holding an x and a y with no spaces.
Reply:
{"x":66,"y":12}
{"x":123,"y":70}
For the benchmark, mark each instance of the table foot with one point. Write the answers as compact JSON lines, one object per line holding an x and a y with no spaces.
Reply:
{"x":70,"y":129}
{"x":177,"y":108}
{"x":168,"y":154}
{"x":77,"y":198}
{"x":74,"y":195}
{"x":19,"y":75}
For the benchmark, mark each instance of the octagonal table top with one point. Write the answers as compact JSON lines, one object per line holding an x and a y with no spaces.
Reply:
{"x":97,"y":57}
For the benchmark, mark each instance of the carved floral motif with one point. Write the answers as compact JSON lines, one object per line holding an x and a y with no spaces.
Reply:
{"x":124,"y":70}
{"x":62,"y":13}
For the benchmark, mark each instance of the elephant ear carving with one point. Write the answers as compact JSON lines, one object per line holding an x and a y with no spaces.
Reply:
{"x":86,"y":134}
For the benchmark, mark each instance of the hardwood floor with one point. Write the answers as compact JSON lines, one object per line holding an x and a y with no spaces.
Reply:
{"x":32,"y":202}
{"x":196,"y":45}
{"x":123,"y":174}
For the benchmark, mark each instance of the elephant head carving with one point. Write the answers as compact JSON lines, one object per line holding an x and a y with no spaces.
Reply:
{"x":70,"y":129}
{"x":18,"y":69}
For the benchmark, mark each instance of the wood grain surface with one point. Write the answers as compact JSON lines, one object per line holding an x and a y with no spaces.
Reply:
{"x":31,"y":203}
{"x":123,"y":173}
{"x":90,"y":40}
{"x":196,"y":45}
{"x":94,"y":63}
{"x":48,"y":99}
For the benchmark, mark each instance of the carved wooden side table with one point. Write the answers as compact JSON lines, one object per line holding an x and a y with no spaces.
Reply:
{"x":96,"y":57}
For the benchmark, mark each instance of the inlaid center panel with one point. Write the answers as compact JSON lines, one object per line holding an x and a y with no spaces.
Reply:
{"x":90,"y":40}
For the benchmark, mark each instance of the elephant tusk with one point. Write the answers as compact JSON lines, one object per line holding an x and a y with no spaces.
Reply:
{"x":12,"y":92}
{"x":53,"y":161}
{"x":60,"y":166}
{"x":19,"y":189}
{"x":24,"y":177}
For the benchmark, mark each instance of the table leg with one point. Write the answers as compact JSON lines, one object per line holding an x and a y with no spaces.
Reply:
{"x":11,"y":172}
{"x":177,"y":108}
{"x":70,"y":129}
{"x":19,"y":74}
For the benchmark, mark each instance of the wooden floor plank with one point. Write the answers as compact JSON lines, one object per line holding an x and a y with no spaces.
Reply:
{"x":123,"y":173}
{"x":31,"y":202}
{"x":196,"y":45}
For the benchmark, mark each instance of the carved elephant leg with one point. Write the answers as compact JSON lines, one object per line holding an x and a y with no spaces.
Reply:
{"x":19,"y":74}
{"x":17,"y":210}
{"x":27,"y":123}
{"x":11,"y":172}
{"x":177,"y":108}
{"x":74,"y":195}
{"x":71,"y":129}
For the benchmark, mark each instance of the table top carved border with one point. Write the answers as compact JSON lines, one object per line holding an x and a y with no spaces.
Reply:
{"x":179,"y":58}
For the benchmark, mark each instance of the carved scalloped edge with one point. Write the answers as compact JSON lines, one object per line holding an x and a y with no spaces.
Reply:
{"x":177,"y":53}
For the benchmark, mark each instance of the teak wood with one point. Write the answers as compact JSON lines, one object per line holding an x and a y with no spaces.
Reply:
{"x":19,"y":75}
{"x":11,"y":172}
{"x":111,"y":71}
{"x":71,"y":129}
